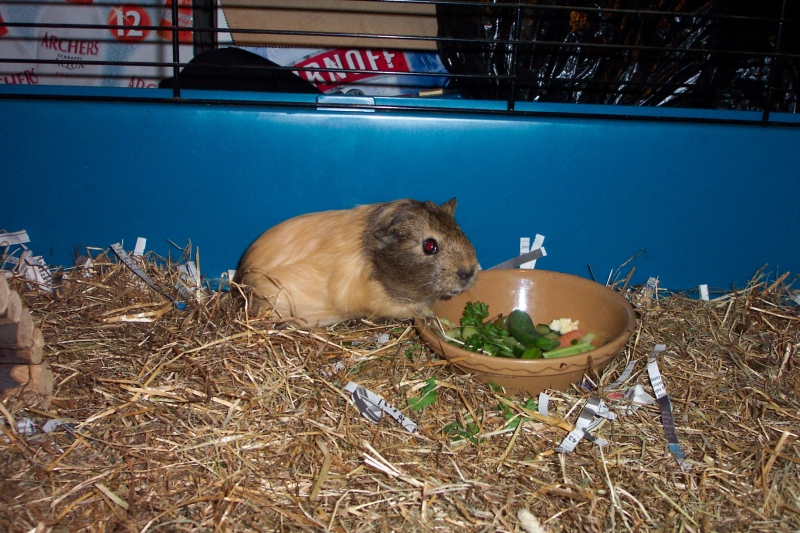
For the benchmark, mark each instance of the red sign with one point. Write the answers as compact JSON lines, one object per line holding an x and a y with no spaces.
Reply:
{"x":26,"y":77}
{"x":375,"y":62}
{"x":133,"y":18}
{"x":139,"y":83}
{"x":80,"y":47}
{"x":184,"y":21}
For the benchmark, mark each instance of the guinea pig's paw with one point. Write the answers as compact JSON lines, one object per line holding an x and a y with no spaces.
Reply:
{"x":423,"y":312}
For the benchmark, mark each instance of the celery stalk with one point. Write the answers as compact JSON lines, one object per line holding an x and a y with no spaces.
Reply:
{"x":574,"y":349}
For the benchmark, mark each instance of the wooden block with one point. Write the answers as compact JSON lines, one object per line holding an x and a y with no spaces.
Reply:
{"x":42,"y":378}
{"x":4,"y":292}
{"x":32,"y":384}
{"x":17,"y":335}
{"x":13,"y":310}
{"x":13,"y":376}
{"x":30,"y":356}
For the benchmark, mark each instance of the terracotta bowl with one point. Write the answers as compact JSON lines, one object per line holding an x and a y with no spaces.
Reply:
{"x":545,"y":296}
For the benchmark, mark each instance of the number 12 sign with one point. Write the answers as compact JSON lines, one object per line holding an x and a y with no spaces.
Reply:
{"x":129,"y":21}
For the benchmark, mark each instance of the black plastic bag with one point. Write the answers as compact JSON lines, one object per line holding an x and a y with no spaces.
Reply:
{"x":680,"y":53}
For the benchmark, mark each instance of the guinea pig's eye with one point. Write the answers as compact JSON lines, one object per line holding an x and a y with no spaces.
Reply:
{"x":430,"y":246}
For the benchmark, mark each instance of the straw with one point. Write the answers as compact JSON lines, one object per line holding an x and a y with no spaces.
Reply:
{"x":206,"y":420}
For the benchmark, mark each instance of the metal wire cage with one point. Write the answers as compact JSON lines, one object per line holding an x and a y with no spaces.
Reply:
{"x":697,"y":54}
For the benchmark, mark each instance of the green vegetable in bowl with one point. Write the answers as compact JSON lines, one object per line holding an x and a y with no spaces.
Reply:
{"x":533,"y":352}
{"x":573,"y":349}
{"x":509,"y":336}
{"x":478,"y":336}
{"x":521,"y":327}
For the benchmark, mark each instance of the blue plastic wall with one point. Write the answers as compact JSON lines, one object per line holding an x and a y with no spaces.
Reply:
{"x":704,"y":203}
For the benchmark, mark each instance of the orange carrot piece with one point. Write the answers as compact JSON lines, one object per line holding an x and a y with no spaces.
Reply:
{"x":567,"y":338}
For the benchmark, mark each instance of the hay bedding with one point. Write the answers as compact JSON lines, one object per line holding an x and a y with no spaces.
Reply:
{"x":203,"y":420}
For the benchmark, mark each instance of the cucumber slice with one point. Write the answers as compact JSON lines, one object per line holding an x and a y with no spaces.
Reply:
{"x":468,"y":331}
{"x":502,"y":323}
{"x":452,"y":334}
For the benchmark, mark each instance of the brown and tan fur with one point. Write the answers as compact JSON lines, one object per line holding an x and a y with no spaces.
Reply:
{"x":322,"y":268}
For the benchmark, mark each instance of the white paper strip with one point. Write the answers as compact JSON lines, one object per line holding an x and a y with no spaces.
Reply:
{"x":595,"y":406}
{"x":544,"y":400}
{"x":141,"y":242}
{"x":189,"y":275}
{"x":125,"y":258}
{"x":14,"y":238}
{"x":626,"y":374}
{"x":525,"y":247}
{"x":703,"y":292}
{"x":36,"y":270}
{"x":665,"y":405}
{"x":636,"y":397}
{"x":372,"y":406}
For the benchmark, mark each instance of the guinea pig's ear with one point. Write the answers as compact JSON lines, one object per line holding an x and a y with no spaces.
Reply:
{"x":386,"y":235}
{"x":384,"y":223}
{"x":449,"y":207}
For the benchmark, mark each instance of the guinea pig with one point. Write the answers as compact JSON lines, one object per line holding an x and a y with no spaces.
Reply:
{"x":392,"y":260}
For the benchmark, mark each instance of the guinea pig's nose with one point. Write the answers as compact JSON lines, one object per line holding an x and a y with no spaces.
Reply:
{"x":465,"y":275}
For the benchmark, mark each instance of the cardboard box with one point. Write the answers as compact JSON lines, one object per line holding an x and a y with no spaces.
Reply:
{"x":366,"y":17}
